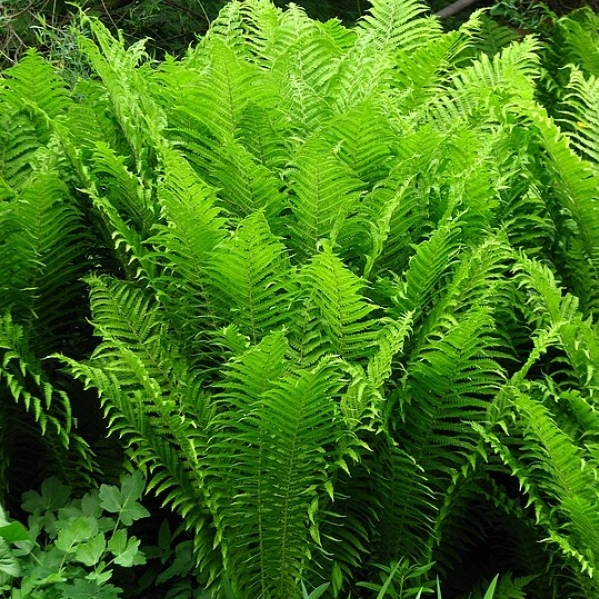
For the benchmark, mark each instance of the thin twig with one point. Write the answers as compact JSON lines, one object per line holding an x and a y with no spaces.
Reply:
{"x":204,"y":12}
{"x":14,"y":15}
{"x":108,"y":14}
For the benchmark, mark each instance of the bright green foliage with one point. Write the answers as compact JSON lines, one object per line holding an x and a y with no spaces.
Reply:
{"x":344,"y":287}
{"x":71,"y":546}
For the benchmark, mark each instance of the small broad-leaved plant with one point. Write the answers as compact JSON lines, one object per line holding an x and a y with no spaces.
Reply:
{"x":71,"y":546}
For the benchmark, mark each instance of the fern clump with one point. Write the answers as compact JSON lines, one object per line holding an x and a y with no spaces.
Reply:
{"x":343,"y":285}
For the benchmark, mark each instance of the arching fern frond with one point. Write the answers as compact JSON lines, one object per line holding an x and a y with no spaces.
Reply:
{"x":244,"y":185}
{"x":434,"y":257}
{"x":126,"y":192}
{"x":492,"y":37}
{"x":336,"y":312}
{"x":363,"y":72}
{"x":24,"y":381}
{"x":151,"y":394}
{"x":194,"y":224}
{"x":323,"y":193}
{"x":573,"y":205}
{"x":579,"y":41}
{"x":164,"y":439}
{"x":581,"y":105}
{"x":217,"y":100}
{"x":406,"y":502}
{"x":547,"y":307}
{"x":228,"y":28}
{"x":363,"y":138}
{"x":567,"y":481}
{"x":262,"y":20}
{"x":42,"y":257}
{"x":420,"y":72}
{"x":395,"y":25}
{"x":274,"y":468}
{"x":508,"y":74}
{"x":140,"y":117}
{"x":34,"y":80}
{"x":19,"y":142}
{"x":247,"y":279}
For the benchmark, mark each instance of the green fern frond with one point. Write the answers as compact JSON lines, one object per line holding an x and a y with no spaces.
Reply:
{"x":364,"y":140}
{"x":407,"y":503}
{"x":578,"y":40}
{"x":548,"y":307}
{"x":193,"y":223}
{"x":420,"y":73}
{"x":254,"y":371}
{"x":244,"y":185}
{"x":363,"y":402}
{"x":129,"y":251}
{"x":23,"y":377}
{"x":398,"y":25}
{"x":323,"y":193}
{"x":216,"y":100}
{"x":42,"y":257}
{"x":263,"y":133}
{"x":492,"y":37}
{"x":262,"y":20}
{"x":363,"y":72}
{"x":476,"y":283}
{"x":247,"y":278}
{"x":433,"y":258}
{"x":337,"y":313}
{"x":569,"y":484}
{"x":141,"y":119}
{"x":281,"y":33}
{"x":135,"y":343}
{"x":303,"y":76}
{"x":90,"y":119}
{"x":581,"y":104}
{"x":489,"y":82}
{"x":271,"y":475}
{"x":164,"y":440}
{"x":151,"y":395}
{"x":228,"y":28}
{"x":449,"y":381}
{"x":573,"y":207}
{"x":524,"y":214}
{"x":122,"y":189}
{"x":390,"y":343}
{"x":33,"y":80}
{"x":190,"y":227}
{"x":18,"y":144}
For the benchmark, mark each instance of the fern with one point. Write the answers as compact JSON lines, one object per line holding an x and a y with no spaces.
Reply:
{"x":396,"y":26}
{"x":324,"y":193}
{"x":580,"y":103}
{"x":335,"y":310}
{"x":343,"y":294}
{"x":577,"y":35}
{"x":24,"y":381}
{"x":34,"y":81}
{"x":575,"y":194}
{"x":276,"y":474}
{"x":247,"y":279}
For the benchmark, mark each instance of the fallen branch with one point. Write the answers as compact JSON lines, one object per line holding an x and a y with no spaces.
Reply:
{"x":454,"y":9}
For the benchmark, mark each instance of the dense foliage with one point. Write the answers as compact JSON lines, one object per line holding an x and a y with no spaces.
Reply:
{"x":167,"y":25}
{"x":343,"y":289}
